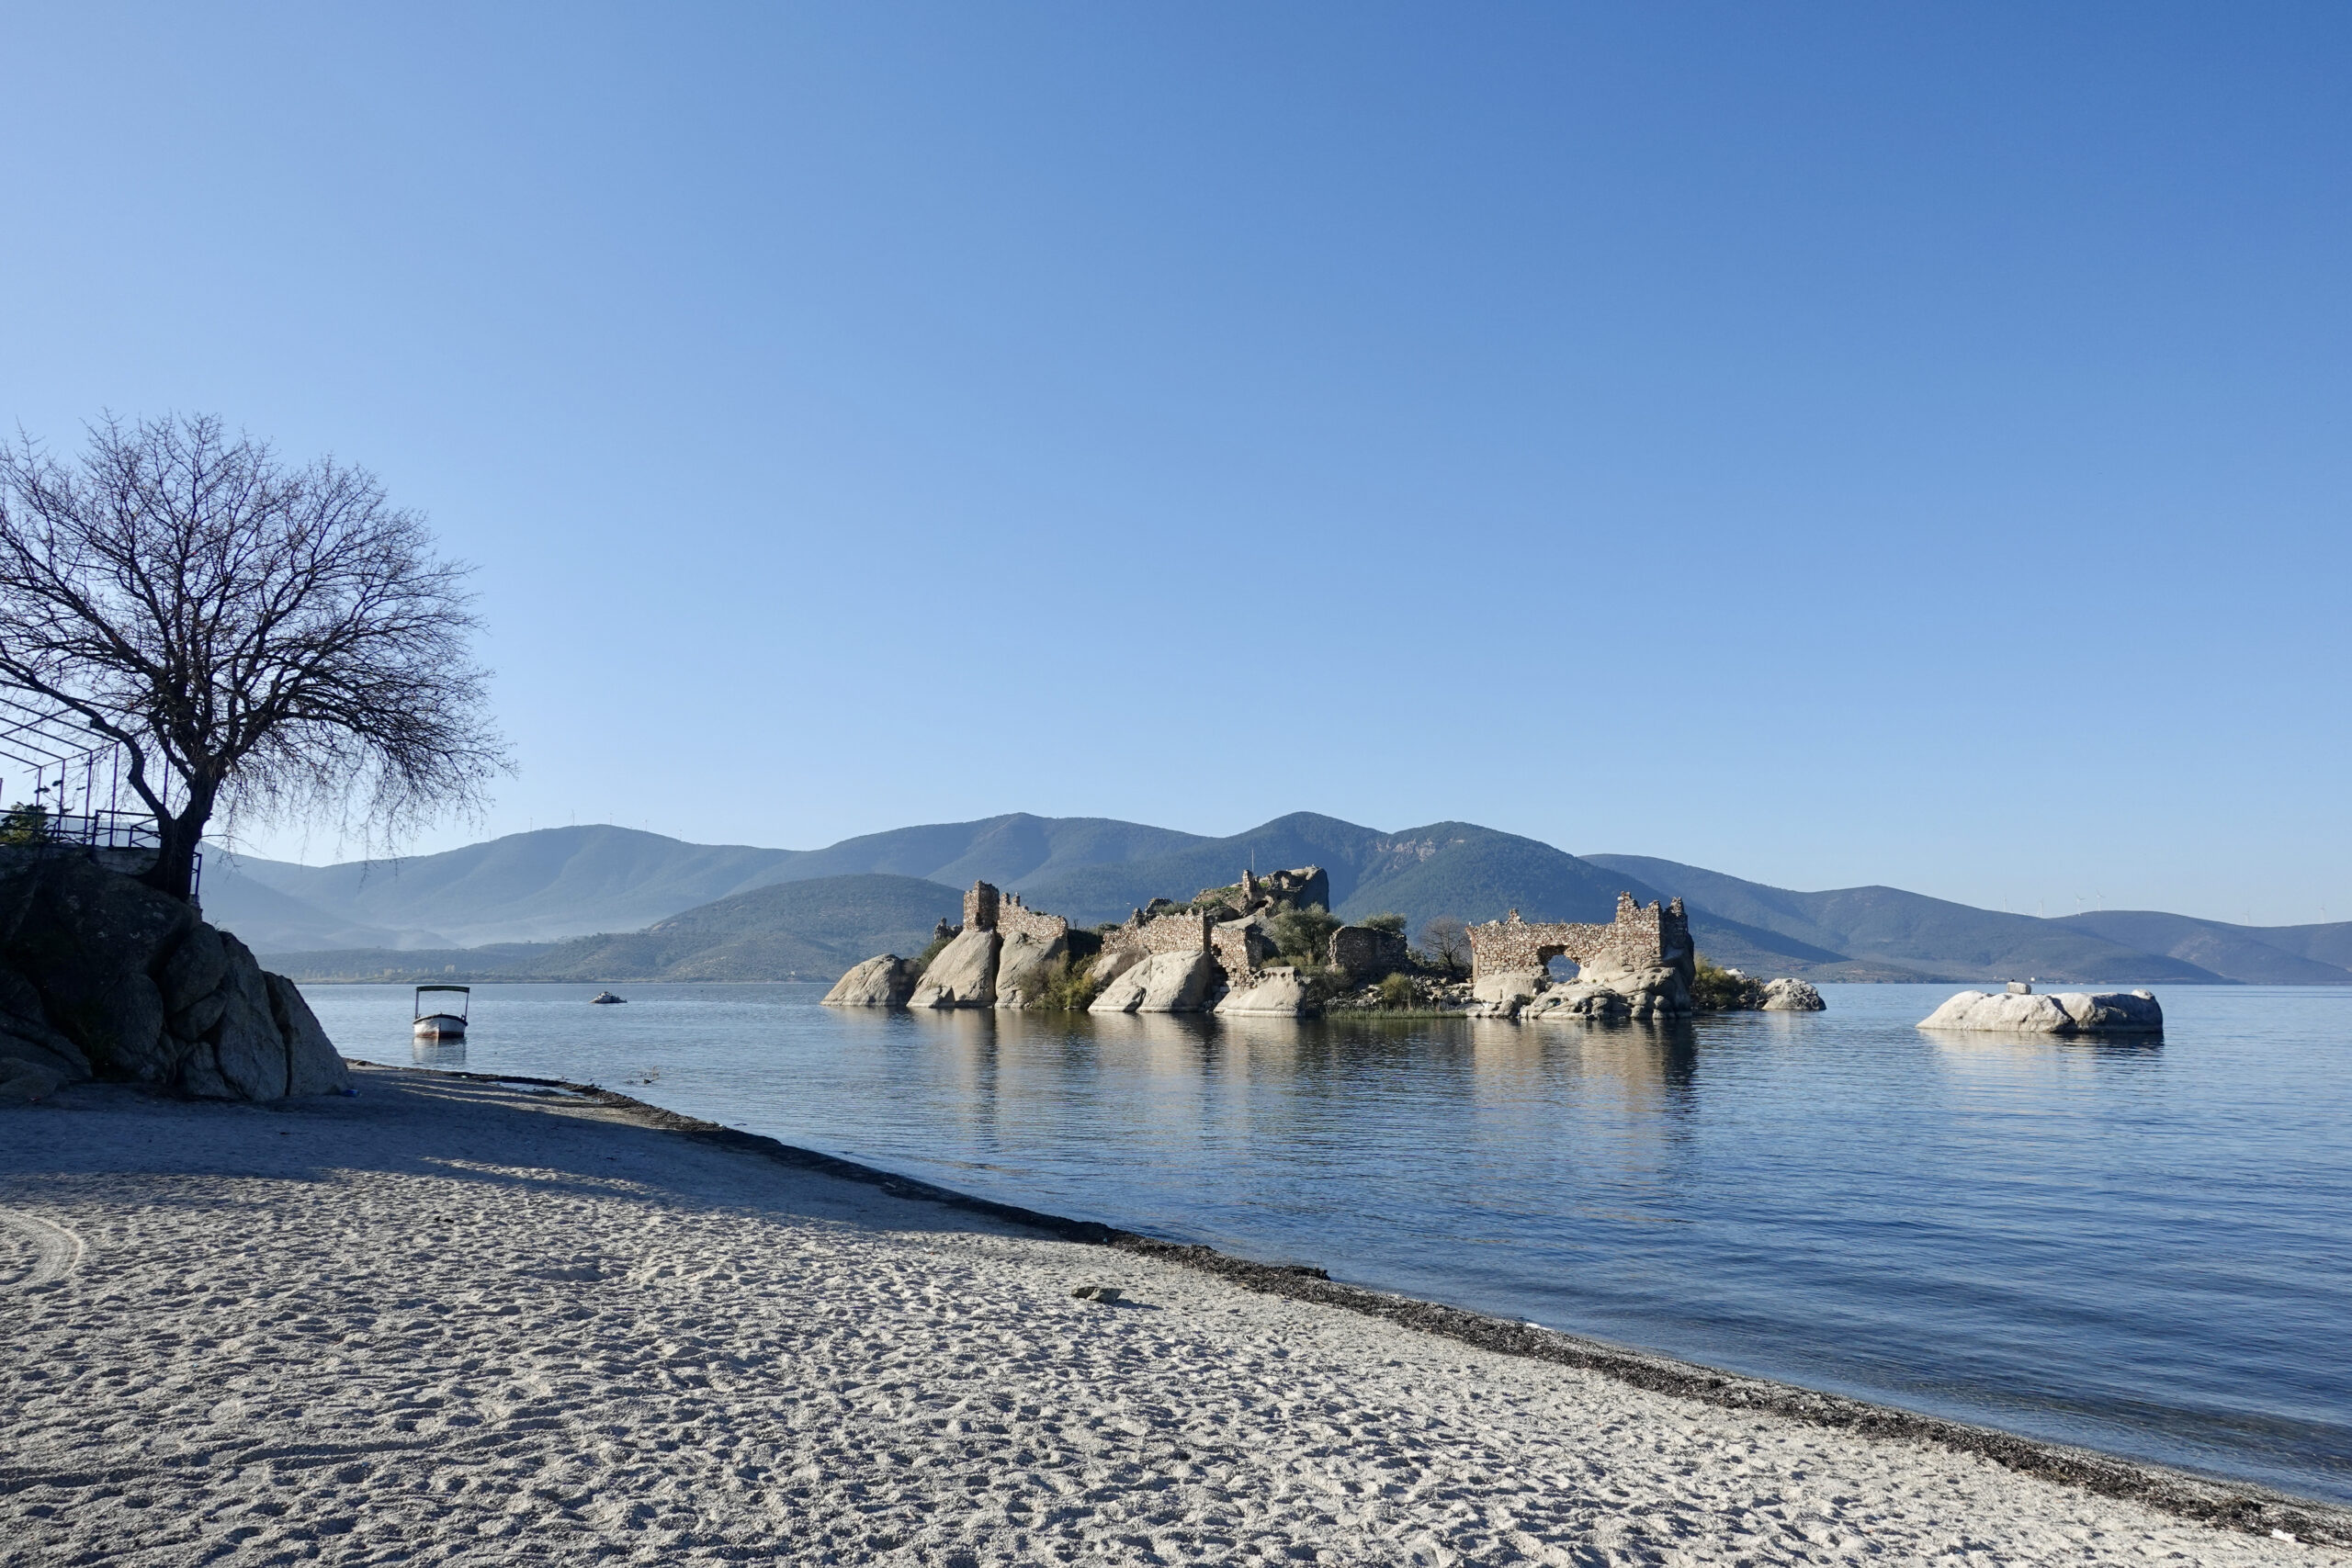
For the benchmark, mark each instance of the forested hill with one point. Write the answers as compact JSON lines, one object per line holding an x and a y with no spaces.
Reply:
{"x":349,"y":922}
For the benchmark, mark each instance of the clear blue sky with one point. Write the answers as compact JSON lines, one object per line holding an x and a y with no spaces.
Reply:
{"x":1827,"y":444}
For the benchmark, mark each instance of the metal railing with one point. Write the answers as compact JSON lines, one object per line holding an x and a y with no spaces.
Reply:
{"x":94,"y":833}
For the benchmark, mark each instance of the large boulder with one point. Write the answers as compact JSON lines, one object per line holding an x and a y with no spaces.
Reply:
{"x":963,"y":975}
{"x":102,"y":977}
{"x":1165,"y":982}
{"x":1577,"y":1000}
{"x":1278,"y":993}
{"x":1791,"y":996}
{"x":1023,"y":965}
{"x":2068,"y":1012}
{"x":884,"y":982}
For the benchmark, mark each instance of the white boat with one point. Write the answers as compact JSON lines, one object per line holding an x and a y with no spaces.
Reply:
{"x":441,"y":1023}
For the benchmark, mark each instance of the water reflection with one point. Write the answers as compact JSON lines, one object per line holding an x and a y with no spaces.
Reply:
{"x":439,"y":1053}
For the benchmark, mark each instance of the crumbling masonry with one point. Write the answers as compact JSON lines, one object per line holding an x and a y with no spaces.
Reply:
{"x":1638,"y":939}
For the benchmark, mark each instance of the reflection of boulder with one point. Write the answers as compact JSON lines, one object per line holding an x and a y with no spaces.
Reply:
{"x":2069,"y":1012}
{"x":1791,"y":996}
{"x":102,"y":977}
{"x":963,"y":975}
{"x":1165,"y":982}
{"x":1022,"y":966}
{"x":1280,"y":993}
{"x":884,"y":982}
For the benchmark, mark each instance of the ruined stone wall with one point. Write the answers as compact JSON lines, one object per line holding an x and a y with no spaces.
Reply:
{"x":1366,"y":954}
{"x":1236,"y":954}
{"x":987,"y":909}
{"x":1183,"y":932}
{"x":1638,"y":939}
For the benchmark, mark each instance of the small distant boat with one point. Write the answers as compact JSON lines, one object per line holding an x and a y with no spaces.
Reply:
{"x":440,"y":1023}
{"x":605,"y":999}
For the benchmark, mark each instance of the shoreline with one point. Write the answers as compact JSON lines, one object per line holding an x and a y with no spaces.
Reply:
{"x":2238,"y":1506}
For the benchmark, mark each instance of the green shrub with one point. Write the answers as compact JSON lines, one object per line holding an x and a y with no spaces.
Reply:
{"x":1396,"y":992}
{"x":1719,"y":990}
{"x":1068,"y":986}
{"x":1303,"y":936}
{"x":24,"y":824}
{"x":1383,"y":923}
{"x":938,"y":945}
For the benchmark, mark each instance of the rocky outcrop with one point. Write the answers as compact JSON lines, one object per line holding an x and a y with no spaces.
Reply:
{"x":2070,"y":1012}
{"x":884,"y":982}
{"x":1791,"y":996}
{"x":1023,"y":964}
{"x":1603,"y":990}
{"x":963,"y":975}
{"x":1165,"y":982}
{"x":102,"y":977}
{"x":1279,"y":993}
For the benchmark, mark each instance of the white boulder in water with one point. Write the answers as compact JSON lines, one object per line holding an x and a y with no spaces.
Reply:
{"x":2068,"y":1012}
{"x":1791,"y":996}
{"x":1165,"y":982}
{"x":884,"y":982}
{"x":963,"y":975}
{"x":1281,"y":993}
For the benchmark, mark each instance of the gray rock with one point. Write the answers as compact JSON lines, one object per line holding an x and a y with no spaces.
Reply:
{"x":1577,"y":999}
{"x":1280,"y":993}
{"x":312,"y":1063}
{"x":23,"y":1080}
{"x":2070,"y":1012}
{"x":1509,"y":987}
{"x":963,"y":975}
{"x":1791,"y":996}
{"x":248,"y":1052}
{"x":1112,"y":963}
{"x":194,"y":971}
{"x":1165,"y":982}
{"x":1022,"y":963}
{"x":884,"y":982}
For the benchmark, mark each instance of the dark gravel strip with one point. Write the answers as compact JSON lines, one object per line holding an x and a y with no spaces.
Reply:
{"x":2232,"y":1505}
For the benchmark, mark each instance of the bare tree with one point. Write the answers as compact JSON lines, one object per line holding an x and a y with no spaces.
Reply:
{"x":1447,"y":940}
{"x":256,"y":638}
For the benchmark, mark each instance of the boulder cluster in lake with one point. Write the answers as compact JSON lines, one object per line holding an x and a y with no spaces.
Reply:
{"x":2018,"y":1010}
{"x":1217,"y":955}
{"x":102,"y":977}
{"x":1214,"y":955}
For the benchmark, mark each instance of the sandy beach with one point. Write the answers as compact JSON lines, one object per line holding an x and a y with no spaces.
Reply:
{"x":469,"y":1322}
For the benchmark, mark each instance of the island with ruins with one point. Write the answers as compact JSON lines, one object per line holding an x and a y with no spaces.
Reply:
{"x":1266,"y":946}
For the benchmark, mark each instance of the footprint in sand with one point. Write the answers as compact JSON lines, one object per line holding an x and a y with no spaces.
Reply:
{"x":53,"y":1250}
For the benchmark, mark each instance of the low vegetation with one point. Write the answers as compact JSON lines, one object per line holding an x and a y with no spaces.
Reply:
{"x":1397,"y":993}
{"x":1716,"y":989}
{"x":1069,"y":986}
{"x":1303,"y":936}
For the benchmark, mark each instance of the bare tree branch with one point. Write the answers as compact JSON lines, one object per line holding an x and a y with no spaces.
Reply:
{"x":276,"y":642}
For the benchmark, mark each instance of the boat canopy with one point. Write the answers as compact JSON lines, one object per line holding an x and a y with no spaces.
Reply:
{"x":463,"y":991}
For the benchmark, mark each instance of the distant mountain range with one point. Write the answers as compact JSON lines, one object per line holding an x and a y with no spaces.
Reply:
{"x":540,"y":905}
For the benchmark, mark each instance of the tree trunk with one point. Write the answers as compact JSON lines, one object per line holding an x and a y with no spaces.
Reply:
{"x":176,"y":839}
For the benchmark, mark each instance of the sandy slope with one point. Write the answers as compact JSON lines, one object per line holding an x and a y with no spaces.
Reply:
{"x":454,"y":1322}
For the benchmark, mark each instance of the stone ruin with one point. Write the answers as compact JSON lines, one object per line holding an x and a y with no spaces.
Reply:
{"x":1165,"y":958}
{"x":1639,"y":965}
{"x":1215,"y":955}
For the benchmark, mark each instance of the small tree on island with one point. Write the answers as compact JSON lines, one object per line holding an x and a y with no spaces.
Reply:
{"x":1447,"y":941}
{"x":256,"y":638}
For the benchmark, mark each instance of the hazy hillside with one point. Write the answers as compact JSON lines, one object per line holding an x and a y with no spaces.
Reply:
{"x":804,"y":930}
{"x":1886,"y":933}
{"x":560,"y":882}
{"x":2254,"y":955}
{"x":726,"y":911}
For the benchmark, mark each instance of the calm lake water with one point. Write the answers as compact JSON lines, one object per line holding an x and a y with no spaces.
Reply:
{"x":2144,"y":1248}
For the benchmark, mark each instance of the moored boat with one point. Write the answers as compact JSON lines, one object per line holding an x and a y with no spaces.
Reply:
{"x":441,"y":1023}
